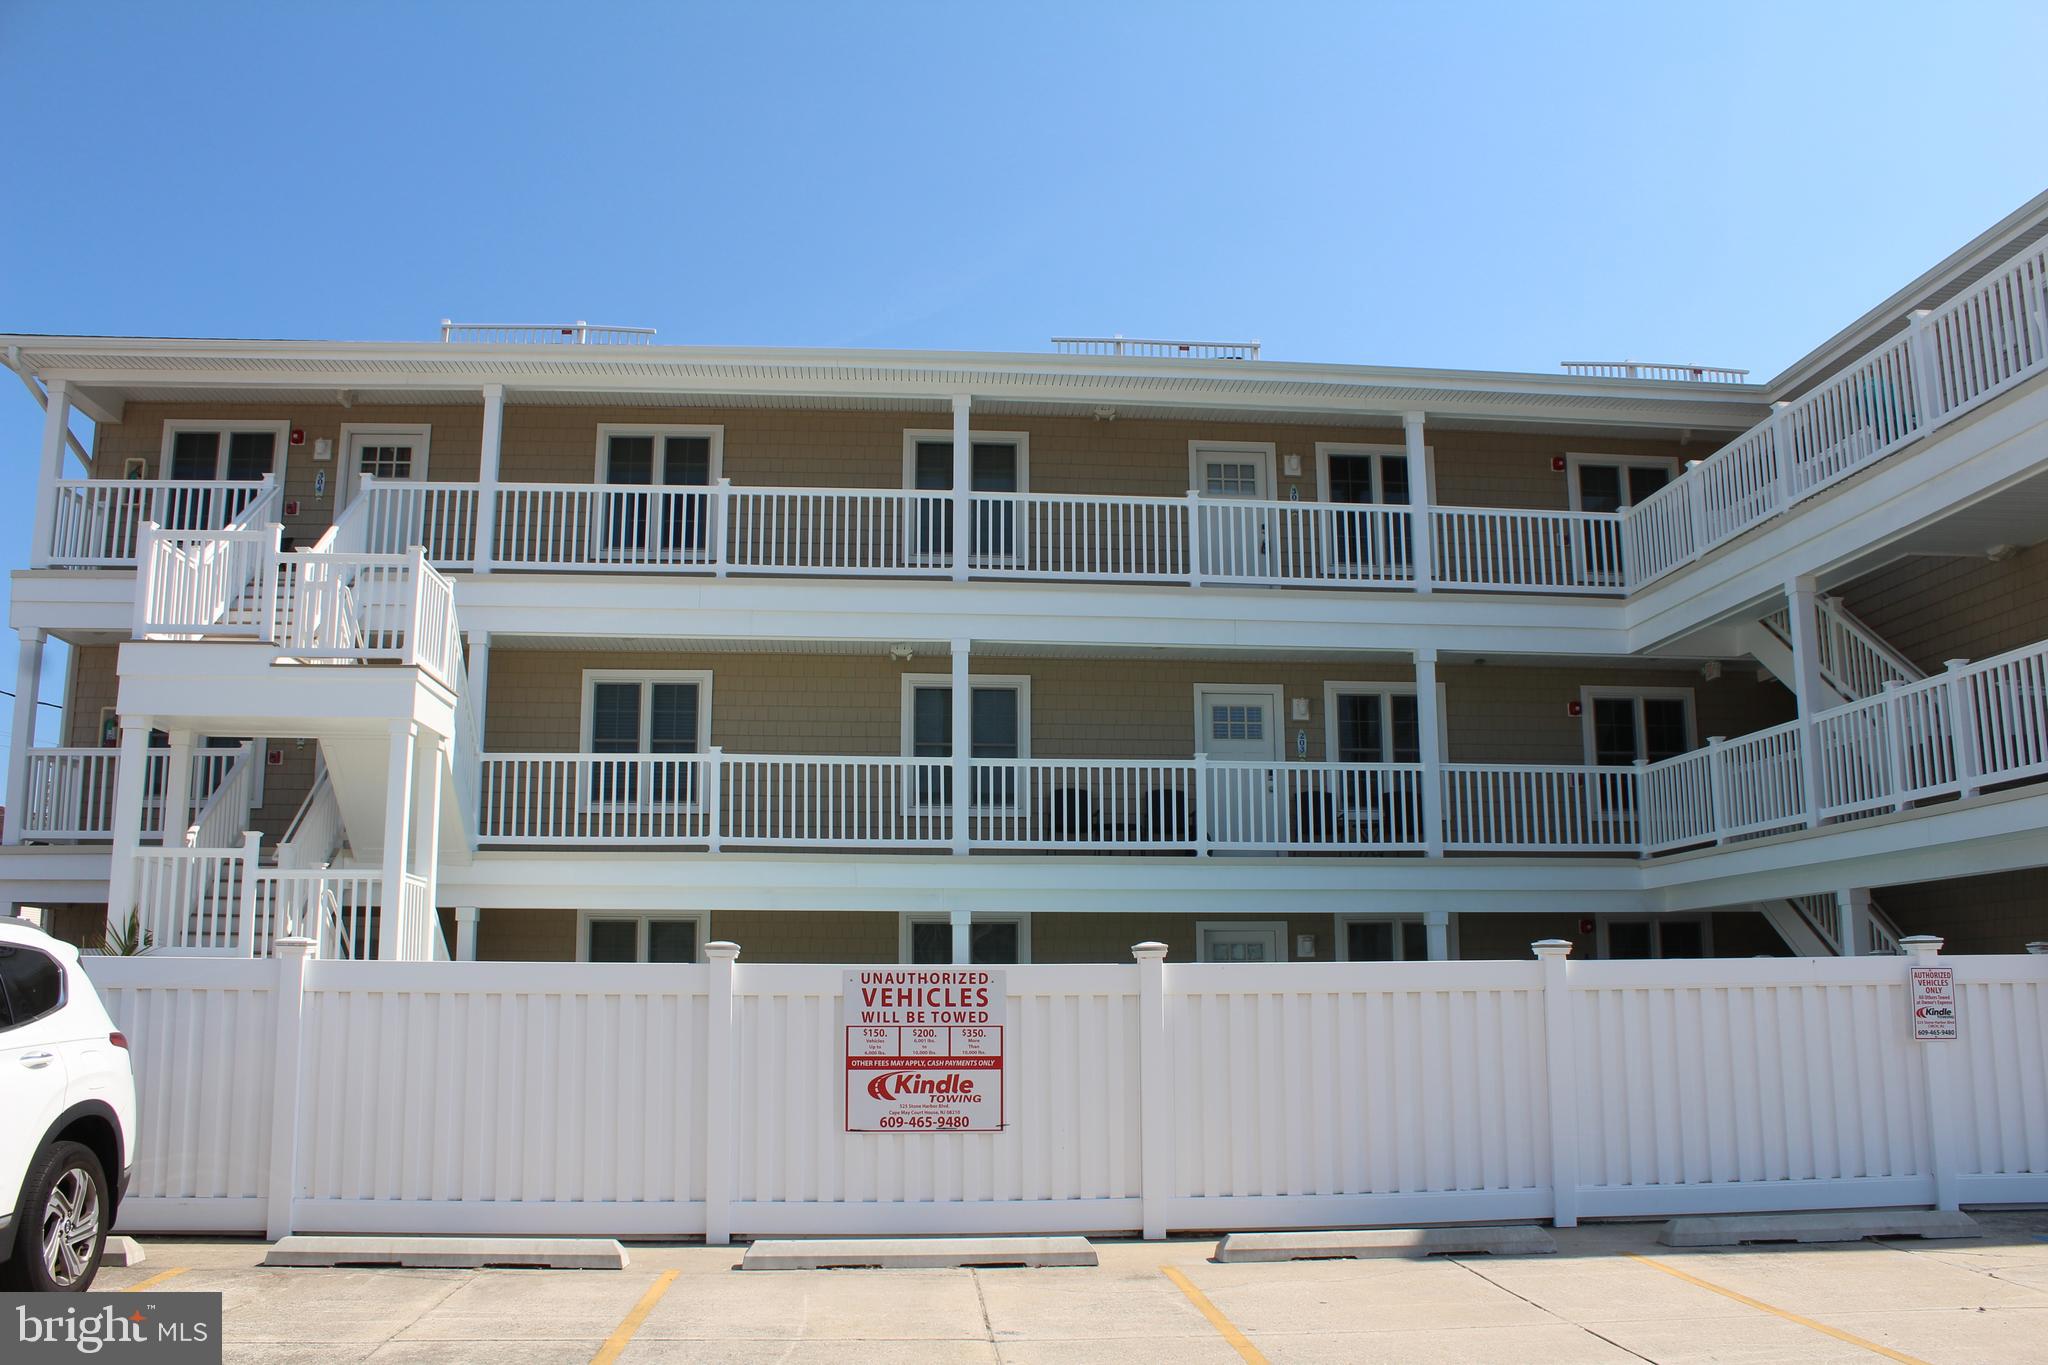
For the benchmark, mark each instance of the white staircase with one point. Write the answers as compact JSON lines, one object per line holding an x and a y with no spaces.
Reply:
{"x":1855,"y":661}
{"x":1812,"y":925}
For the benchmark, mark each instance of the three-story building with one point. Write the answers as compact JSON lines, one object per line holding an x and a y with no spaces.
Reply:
{"x":558,"y":643}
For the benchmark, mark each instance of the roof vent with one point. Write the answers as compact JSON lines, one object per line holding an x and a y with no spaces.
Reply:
{"x":544,"y":334}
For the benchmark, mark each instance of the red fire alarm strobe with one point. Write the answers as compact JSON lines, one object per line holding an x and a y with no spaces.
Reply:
{"x":1574,"y":709}
{"x":1556,"y":461}
{"x":276,"y":758}
{"x":291,"y":509}
{"x":1585,"y":926}
{"x":299,"y":438}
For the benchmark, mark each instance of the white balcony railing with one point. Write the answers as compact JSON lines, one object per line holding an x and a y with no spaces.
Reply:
{"x":1648,"y":369}
{"x":70,"y":791}
{"x":1156,"y":349}
{"x":224,"y":902}
{"x":1977,"y":725}
{"x":314,"y":604}
{"x":97,"y":523}
{"x":1950,"y":359}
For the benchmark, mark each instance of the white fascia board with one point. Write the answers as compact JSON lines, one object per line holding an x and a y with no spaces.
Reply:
{"x":220,"y":686}
{"x":72,"y":602}
{"x":936,"y":375}
{"x":1960,"y":465}
{"x":1133,"y":618}
{"x":56,"y":874}
{"x":1996,"y":833}
{"x":936,"y":882}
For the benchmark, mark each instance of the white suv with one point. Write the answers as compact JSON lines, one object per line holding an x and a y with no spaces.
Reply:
{"x":68,"y":1122}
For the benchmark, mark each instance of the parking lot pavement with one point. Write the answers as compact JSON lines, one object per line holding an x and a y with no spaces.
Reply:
{"x":1609,"y":1294}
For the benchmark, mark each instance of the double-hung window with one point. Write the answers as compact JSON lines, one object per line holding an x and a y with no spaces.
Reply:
{"x":997,"y":463}
{"x":649,"y":723}
{"x":999,"y":709}
{"x":205,"y":452}
{"x":627,"y":937}
{"x":656,"y":499}
{"x":1602,"y":483}
{"x":992,"y":940}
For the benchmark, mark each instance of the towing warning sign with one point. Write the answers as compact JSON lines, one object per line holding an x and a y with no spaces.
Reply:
{"x":1934,"y":1002}
{"x":924,"y":1049}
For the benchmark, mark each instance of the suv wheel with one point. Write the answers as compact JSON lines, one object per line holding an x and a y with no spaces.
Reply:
{"x":63,"y":1222}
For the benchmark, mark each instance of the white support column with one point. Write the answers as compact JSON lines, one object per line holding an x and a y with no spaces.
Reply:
{"x":963,"y":487}
{"x":1155,"y":1117}
{"x":1436,"y":929}
{"x":28,"y":684}
{"x":466,"y":917}
{"x":287,"y":1067}
{"x":487,"y":477}
{"x":177,"y":797}
{"x":427,"y":838}
{"x":1935,"y":1057}
{"x":963,"y":936}
{"x":1420,"y":500}
{"x":963,"y":744}
{"x":129,"y":784}
{"x":56,"y":426}
{"x":398,"y":798}
{"x":1926,"y":364}
{"x":1802,"y":601}
{"x":719,"y":1100}
{"x":1560,"y":1062}
{"x":1429,"y":724}
{"x":1962,"y":724}
{"x":479,"y":696}
{"x":1852,"y":920}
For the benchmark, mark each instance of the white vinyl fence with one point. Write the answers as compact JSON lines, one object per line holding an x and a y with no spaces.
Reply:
{"x":438,"y":1097}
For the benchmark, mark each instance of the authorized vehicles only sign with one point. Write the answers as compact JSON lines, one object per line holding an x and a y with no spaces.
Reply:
{"x":924,"y":1049}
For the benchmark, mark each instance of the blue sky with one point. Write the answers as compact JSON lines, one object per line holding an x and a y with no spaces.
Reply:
{"x":1458,"y":185}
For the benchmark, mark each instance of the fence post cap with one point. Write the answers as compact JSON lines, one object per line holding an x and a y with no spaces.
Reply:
{"x":1922,"y":945}
{"x":1955,"y":663}
{"x":721,"y":950}
{"x":2038,"y":947}
{"x":1552,"y":947}
{"x":1715,"y":741}
{"x":293,"y":945}
{"x":1152,"y":950}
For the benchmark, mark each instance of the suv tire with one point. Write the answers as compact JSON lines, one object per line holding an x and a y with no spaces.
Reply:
{"x":62,"y":1218}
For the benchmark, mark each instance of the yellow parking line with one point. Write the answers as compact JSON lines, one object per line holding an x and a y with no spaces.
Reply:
{"x":156,"y":1279}
{"x":615,"y":1344}
{"x":1837,"y":1333}
{"x":1238,"y":1341}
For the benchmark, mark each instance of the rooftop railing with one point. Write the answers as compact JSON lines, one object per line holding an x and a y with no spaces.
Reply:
{"x":1157,"y":349}
{"x":544,"y":334}
{"x":1649,"y":369}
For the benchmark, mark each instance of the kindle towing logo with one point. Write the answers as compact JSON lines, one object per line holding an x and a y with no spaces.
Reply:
{"x":890,"y":1085}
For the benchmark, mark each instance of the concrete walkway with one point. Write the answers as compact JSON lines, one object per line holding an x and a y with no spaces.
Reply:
{"x":1610,"y":1293}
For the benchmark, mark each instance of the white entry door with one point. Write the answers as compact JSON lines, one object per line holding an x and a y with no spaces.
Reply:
{"x":1237,"y":541}
{"x":1244,"y":942}
{"x":394,"y":457}
{"x":1240,"y":732}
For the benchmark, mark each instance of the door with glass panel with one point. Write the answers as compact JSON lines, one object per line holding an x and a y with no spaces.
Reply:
{"x":205,"y":456}
{"x":1243,"y":942}
{"x":632,"y":938}
{"x":655,"y":506}
{"x":1374,"y":728}
{"x":994,"y":467}
{"x":996,"y":713}
{"x":1612,"y":486}
{"x":1241,"y":735}
{"x":1359,"y":543}
{"x":1385,"y":940}
{"x":645,"y":726}
{"x":1627,"y":727}
{"x":393,"y":459}
{"x":990,"y":942}
{"x":1236,"y":541}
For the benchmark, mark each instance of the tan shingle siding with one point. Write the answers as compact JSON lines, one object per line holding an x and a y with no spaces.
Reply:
{"x":1932,"y":609}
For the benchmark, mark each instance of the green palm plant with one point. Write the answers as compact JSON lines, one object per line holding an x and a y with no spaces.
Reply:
{"x":127,"y":940}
